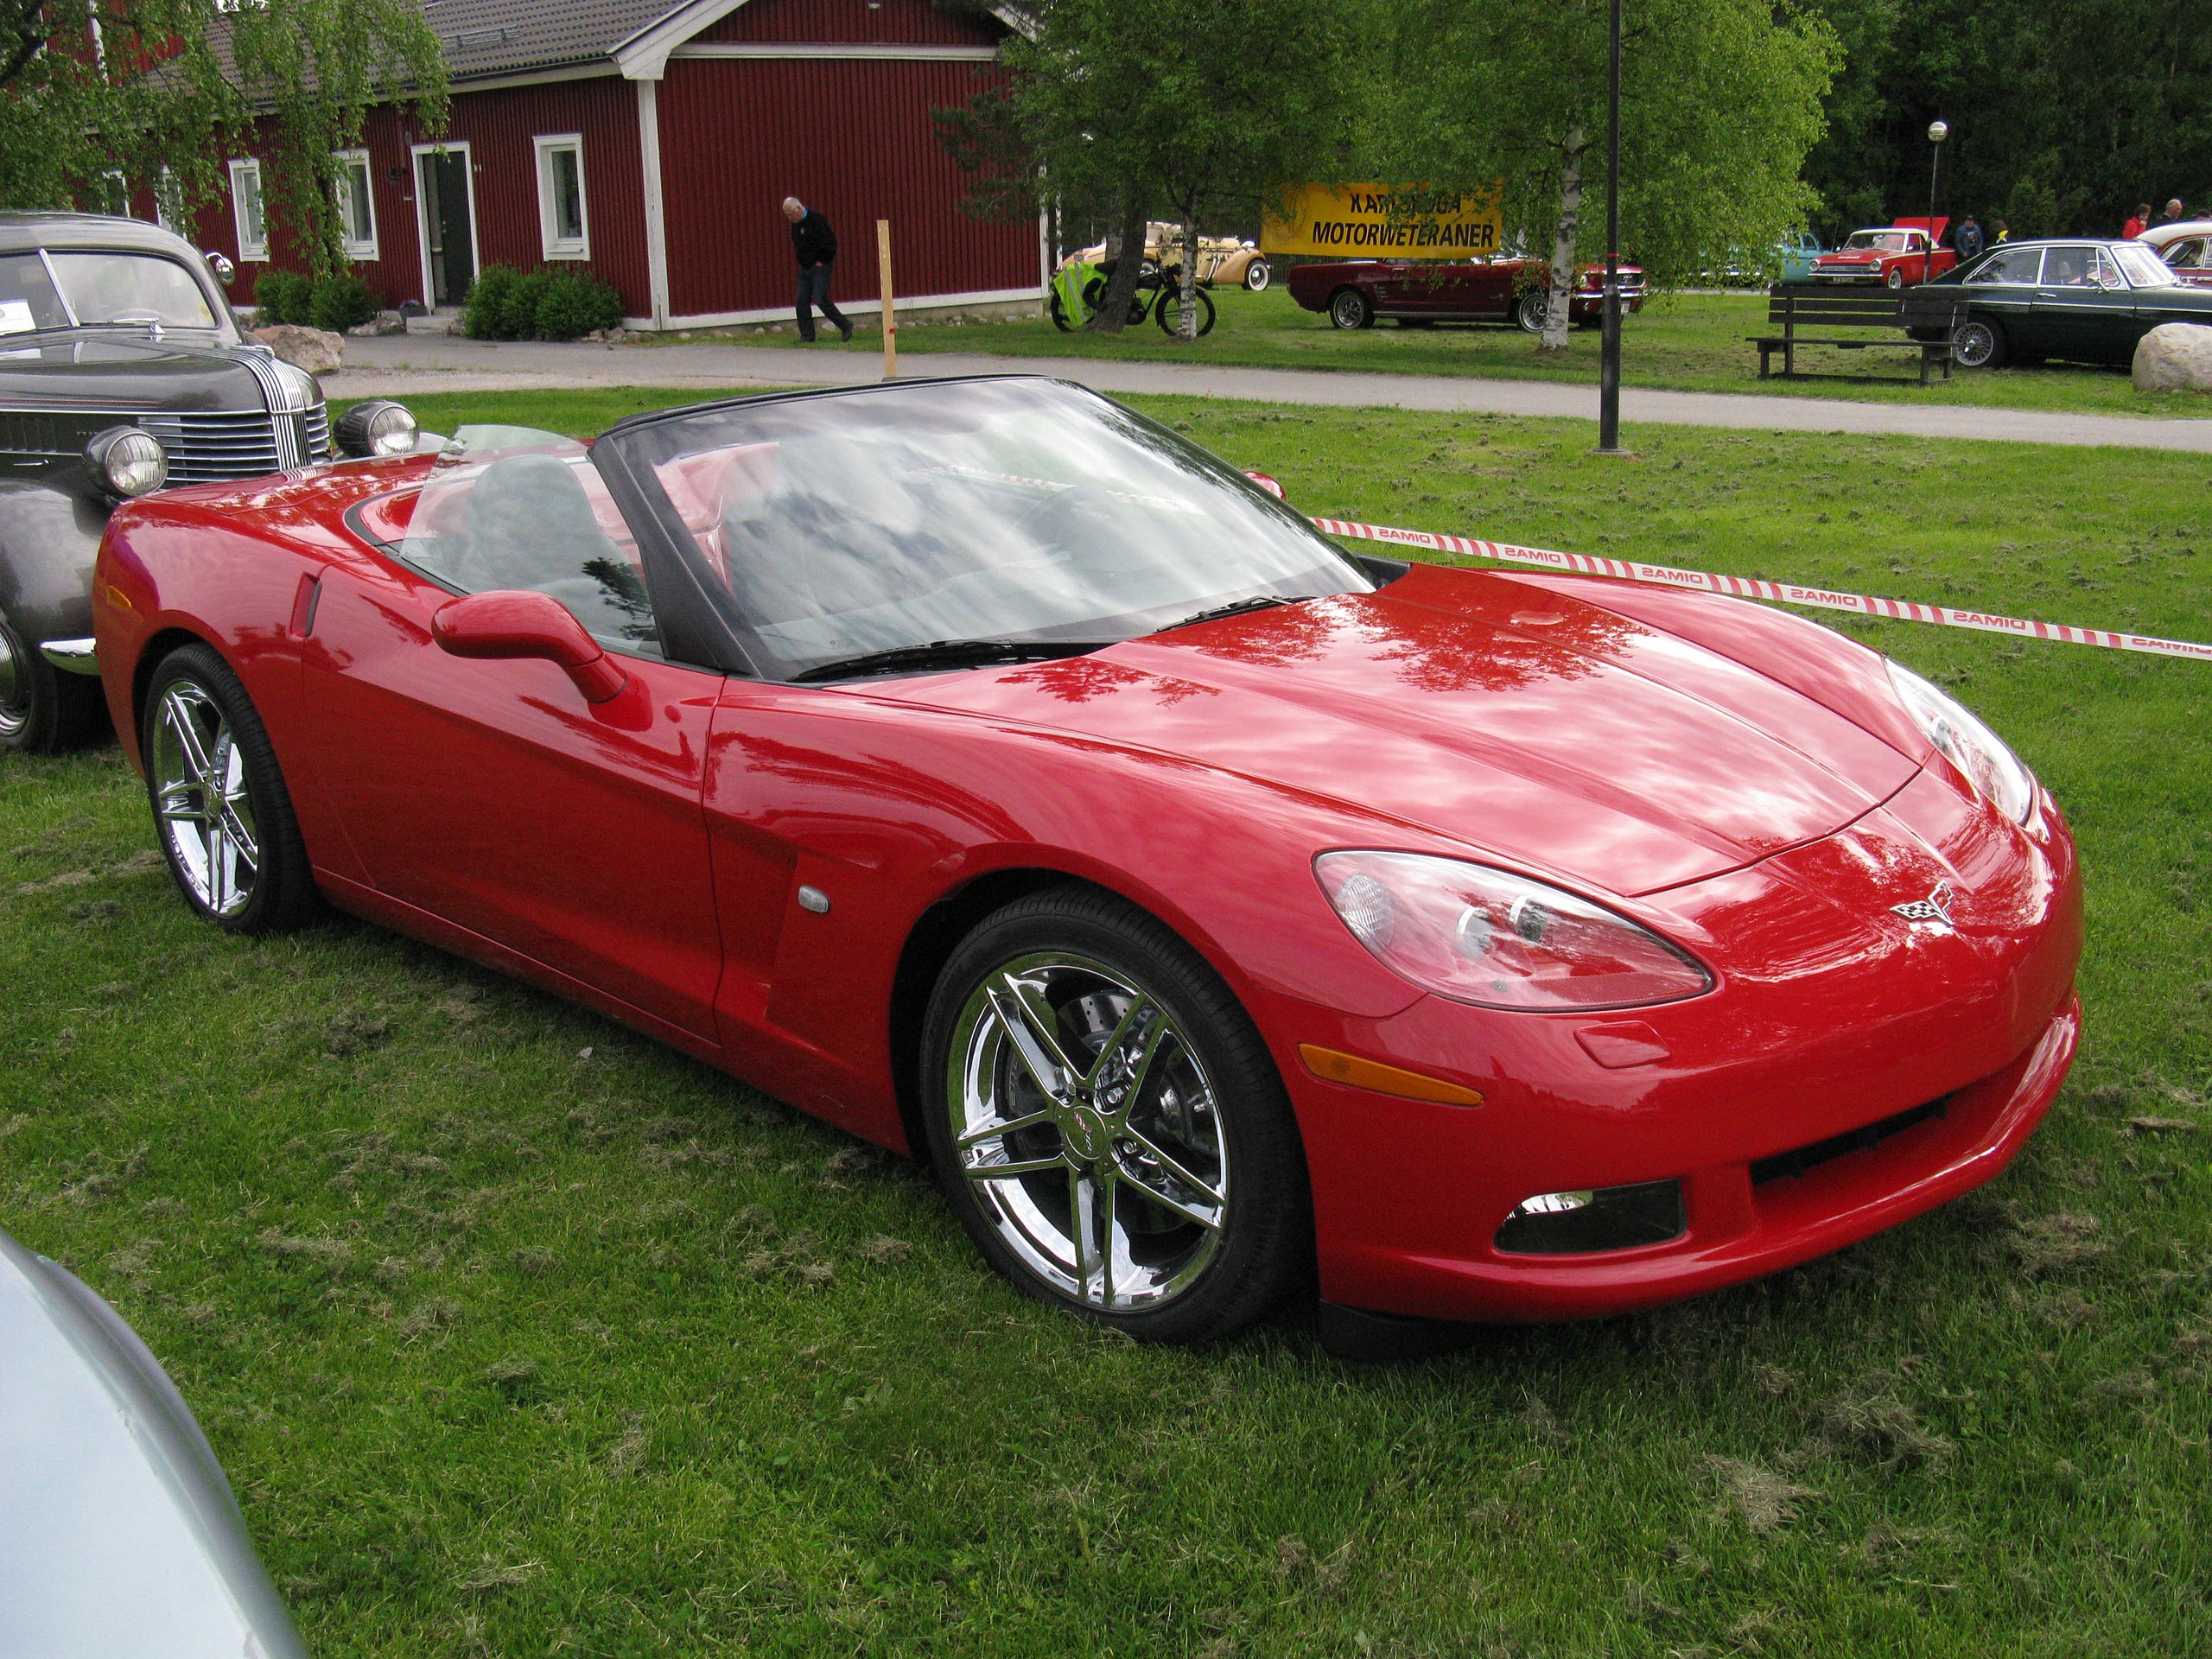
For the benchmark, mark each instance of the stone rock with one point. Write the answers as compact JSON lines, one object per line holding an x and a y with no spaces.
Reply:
{"x":316,"y":350}
{"x":2175,"y":356}
{"x":384,"y":322}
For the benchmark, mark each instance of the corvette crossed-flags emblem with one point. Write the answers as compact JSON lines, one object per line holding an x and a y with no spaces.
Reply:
{"x":1936,"y":908}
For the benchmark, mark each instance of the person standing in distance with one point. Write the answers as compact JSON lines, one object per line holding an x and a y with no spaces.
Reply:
{"x":815,"y":243}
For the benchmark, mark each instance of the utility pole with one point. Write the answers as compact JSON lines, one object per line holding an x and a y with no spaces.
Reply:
{"x":1609,"y":368}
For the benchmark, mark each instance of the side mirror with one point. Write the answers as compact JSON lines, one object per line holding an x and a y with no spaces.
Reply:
{"x":225,"y":272}
{"x":523,"y":624}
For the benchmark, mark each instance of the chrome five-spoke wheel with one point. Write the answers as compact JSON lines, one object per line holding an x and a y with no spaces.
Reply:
{"x":1086,"y":1123}
{"x":199,"y":795}
{"x":14,"y":687}
{"x":1108,"y":1124}
{"x":220,"y":801}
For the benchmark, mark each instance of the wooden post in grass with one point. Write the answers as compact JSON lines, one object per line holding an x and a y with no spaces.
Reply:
{"x":890,"y":316}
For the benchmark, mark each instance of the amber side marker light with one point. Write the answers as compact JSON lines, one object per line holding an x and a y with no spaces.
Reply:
{"x":1382,"y":1079}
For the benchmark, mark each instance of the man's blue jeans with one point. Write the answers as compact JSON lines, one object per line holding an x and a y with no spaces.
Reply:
{"x":813,"y":290}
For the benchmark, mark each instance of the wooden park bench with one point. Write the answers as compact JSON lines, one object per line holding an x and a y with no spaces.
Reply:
{"x":1918,"y":319}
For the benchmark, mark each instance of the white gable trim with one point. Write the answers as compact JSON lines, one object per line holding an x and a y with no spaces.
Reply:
{"x":756,"y":50}
{"x":645,"y":56}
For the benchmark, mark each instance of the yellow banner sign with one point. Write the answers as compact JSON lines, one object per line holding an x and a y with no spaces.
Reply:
{"x":1378,"y":221}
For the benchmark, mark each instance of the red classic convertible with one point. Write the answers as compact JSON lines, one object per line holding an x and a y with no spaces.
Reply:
{"x":986,"y":769}
{"x":1894,"y":255}
{"x":1507,"y":289}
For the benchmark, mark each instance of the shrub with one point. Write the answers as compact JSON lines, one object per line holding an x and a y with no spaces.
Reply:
{"x":341,"y":302}
{"x":484,"y":311}
{"x":518,"y":315}
{"x":575,"y":303}
{"x":546,"y":304}
{"x":283,"y":296}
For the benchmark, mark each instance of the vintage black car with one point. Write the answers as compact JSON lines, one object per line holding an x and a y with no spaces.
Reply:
{"x":121,"y":371}
{"x":2086,"y":301}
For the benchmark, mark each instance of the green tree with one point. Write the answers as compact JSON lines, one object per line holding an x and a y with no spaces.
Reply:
{"x":1116,"y":107}
{"x":1720,"y":102}
{"x":155,"y":90}
{"x":2063,"y":116}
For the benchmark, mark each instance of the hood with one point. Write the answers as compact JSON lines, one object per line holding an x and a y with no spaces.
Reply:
{"x":1548,"y":731}
{"x":110,"y":369}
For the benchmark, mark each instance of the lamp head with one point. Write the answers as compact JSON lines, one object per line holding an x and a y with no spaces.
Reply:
{"x":1938,"y":131}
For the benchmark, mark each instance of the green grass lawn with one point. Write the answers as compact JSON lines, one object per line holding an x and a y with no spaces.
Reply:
{"x":1688,"y":342}
{"x":519,"y":1335}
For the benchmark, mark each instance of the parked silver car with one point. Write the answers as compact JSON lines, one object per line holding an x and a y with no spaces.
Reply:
{"x":120,"y":1538}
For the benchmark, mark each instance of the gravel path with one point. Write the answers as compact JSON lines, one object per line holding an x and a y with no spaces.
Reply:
{"x":399,"y":364}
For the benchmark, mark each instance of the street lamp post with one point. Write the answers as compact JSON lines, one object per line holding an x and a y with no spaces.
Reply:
{"x":1937,"y":132}
{"x":1609,"y":365}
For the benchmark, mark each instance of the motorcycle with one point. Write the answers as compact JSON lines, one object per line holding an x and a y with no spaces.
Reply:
{"x":1079,"y":287}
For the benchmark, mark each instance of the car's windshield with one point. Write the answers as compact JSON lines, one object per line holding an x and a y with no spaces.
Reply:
{"x":1007,"y":510}
{"x":97,"y":287}
{"x":2144,"y":268}
{"x":1888,"y":241}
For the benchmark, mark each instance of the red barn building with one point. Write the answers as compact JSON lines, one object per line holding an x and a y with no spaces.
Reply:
{"x":653,"y":143}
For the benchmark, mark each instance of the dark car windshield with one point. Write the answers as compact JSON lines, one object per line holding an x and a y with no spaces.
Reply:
{"x":97,"y":287}
{"x":845,"y":525}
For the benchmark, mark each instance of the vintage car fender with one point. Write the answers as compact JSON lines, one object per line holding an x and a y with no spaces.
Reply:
{"x":49,"y":535}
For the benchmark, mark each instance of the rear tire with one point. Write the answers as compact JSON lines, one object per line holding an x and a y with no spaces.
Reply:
{"x":1060,"y":315}
{"x":220,"y":806}
{"x":1257,"y":276}
{"x":1350,"y":308}
{"x":42,"y":710}
{"x":1530,"y":311}
{"x":1978,"y":343}
{"x":1160,"y":1088}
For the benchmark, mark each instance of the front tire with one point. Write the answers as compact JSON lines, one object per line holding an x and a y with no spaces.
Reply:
{"x":42,"y":710}
{"x":220,"y":806}
{"x":1257,"y":276}
{"x":1978,"y":343}
{"x":1060,"y":315}
{"x":1896,"y":278}
{"x":1109,"y":1126}
{"x":1350,"y":308}
{"x":1168,"y":312}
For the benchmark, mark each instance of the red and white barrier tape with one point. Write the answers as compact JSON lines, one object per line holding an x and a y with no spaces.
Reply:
{"x":1751,"y":588}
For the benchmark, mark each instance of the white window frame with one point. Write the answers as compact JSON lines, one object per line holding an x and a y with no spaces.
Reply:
{"x":168,"y":205}
{"x":115,"y":192}
{"x":347,"y":160}
{"x":249,"y":250}
{"x":557,"y":246}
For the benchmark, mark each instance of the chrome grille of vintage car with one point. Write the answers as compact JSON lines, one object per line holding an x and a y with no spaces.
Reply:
{"x":202,"y":448}
{"x":206,"y":449}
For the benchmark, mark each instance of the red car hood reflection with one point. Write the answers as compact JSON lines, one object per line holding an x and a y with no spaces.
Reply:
{"x":1546,"y":731}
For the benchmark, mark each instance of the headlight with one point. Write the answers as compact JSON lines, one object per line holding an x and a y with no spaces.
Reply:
{"x":1993,"y":770}
{"x":376,"y":427}
{"x":1503,"y":941}
{"x":127,"y":461}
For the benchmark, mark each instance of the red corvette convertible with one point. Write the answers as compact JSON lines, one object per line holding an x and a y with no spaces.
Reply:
{"x":990,"y":772}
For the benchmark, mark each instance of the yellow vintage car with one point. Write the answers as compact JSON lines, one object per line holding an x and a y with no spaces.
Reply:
{"x":1221,"y":260}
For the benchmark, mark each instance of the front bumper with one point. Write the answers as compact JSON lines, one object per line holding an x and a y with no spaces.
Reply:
{"x":71,"y":656}
{"x":1812,"y":1037}
{"x":1857,"y":274}
{"x":1585,"y":307}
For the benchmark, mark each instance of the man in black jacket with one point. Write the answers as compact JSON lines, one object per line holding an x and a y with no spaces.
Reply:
{"x":815,"y":243}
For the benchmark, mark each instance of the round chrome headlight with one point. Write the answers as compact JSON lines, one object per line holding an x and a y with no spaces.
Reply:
{"x":378,"y":426}
{"x":127,"y":461}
